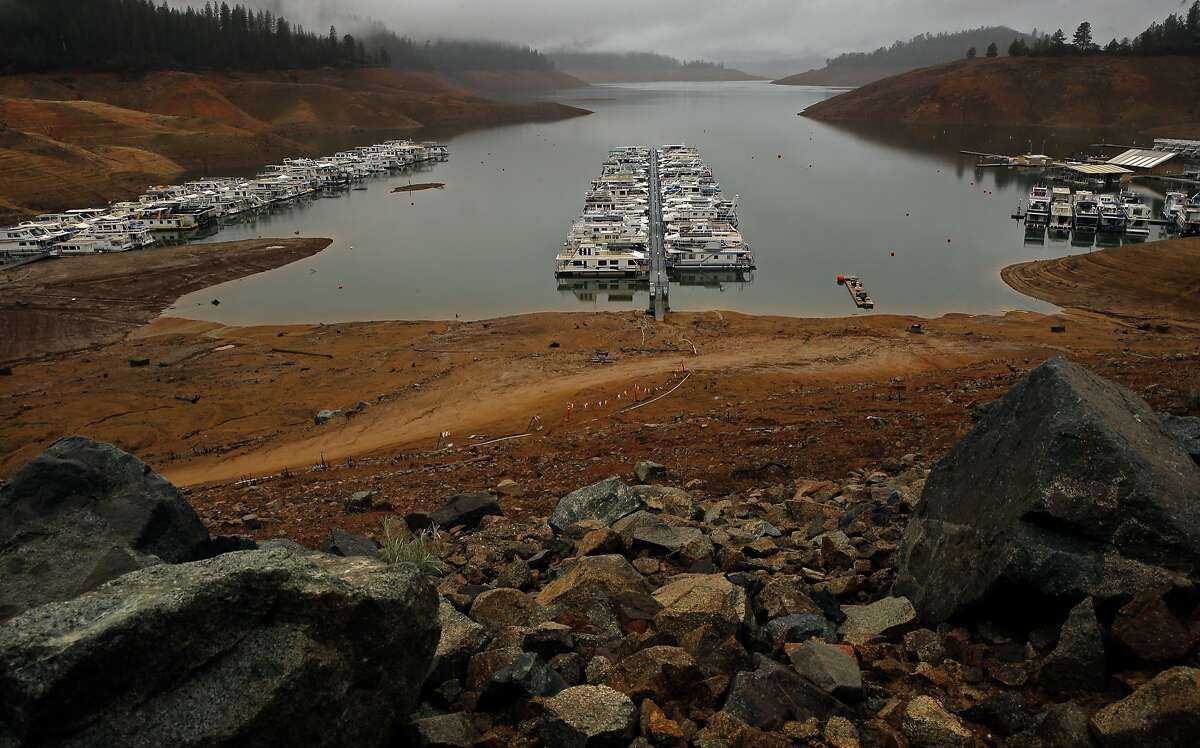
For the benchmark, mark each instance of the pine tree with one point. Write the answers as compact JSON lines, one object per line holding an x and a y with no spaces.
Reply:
{"x":1083,"y":38}
{"x":993,"y":50}
{"x":971,"y":53}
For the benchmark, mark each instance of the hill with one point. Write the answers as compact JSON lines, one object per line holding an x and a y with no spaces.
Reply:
{"x":1155,"y":95}
{"x":923,"y":50}
{"x":621,"y":67}
{"x":71,"y":140}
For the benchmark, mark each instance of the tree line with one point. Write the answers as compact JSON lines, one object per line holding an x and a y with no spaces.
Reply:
{"x":136,"y":35}
{"x":924,"y":49}
{"x":1176,"y":35}
{"x":625,"y":61}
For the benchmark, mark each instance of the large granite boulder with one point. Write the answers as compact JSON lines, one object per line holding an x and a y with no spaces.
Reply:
{"x":606,"y":501}
{"x":82,"y":513}
{"x":1163,"y":713}
{"x":1070,"y":487}
{"x":257,"y":648}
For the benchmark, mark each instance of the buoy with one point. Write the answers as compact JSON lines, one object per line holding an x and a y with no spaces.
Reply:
{"x":893,"y":254}
{"x":841,"y":279}
{"x":779,"y":155}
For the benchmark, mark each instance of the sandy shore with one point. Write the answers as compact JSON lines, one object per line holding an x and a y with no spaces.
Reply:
{"x":79,"y":303}
{"x":759,"y":395}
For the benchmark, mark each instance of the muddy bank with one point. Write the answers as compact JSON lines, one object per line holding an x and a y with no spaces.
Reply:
{"x":79,"y":303}
{"x":1159,"y":280}
{"x":1156,"y":95}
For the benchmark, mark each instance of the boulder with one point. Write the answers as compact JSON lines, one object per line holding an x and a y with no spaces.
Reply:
{"x":772,"y":694}
{"x":465,"y":510}
{"x":82,"y":513}
{"x":1147,"y":628}
{"x":267,"y":647}
{"x":342,"y":543}
{"x":830,"y":668}
{"x":800,"y":627}
{"x":647,"y":472}
{"x":927,"y":724}
{"x":690,"y":601}
{"x":1068,"y":488}
{"x":1163,"y":713}
{"x":662,"y":672}
{"x":590,"y":593}
{"x":887,"y":617}
{"x":1077,"y":663}
{"x":588,"y":717}
{"x":445,"y":731}
{"x":501,"y":608}
{"x":784,"y":595}
{"x":689,"y":543}
{"x":360,"y":502}
{"x":460,"y":639}
{"x":668,"y":500}
{"x":1186,"y":431}
{"x":606,"y":502}
{"x":526,"y":676}
{"x":1005,"y":713}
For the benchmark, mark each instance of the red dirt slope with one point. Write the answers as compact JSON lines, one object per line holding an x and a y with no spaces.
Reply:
{"x":71,"y":140}
{"x":1151,"y":94}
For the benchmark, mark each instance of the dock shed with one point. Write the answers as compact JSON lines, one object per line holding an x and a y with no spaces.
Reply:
{"x":1150,"y":162}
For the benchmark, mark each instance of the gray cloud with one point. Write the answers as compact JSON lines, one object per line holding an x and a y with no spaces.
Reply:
{"x":720,"y":29}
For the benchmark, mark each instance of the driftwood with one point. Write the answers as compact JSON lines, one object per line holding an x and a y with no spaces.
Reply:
{"x":419,"y":186}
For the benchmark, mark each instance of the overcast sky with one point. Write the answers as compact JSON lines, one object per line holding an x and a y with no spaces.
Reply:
{"x":724,"y":29}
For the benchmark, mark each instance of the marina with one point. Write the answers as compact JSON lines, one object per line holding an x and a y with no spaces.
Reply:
{"x":653,"y":212}
{"x":479,"y":248}
{"x":174,"y":213}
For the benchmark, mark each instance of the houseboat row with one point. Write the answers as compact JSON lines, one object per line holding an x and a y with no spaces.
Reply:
{"x":700,"y":225}
{"x":1062,"y":211}
{"x":693,"y":225}
{"x":611,"y":236}
{"x":202,"y":203}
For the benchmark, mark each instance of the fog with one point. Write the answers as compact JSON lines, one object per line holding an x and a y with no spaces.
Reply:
{"x":720,"y":29}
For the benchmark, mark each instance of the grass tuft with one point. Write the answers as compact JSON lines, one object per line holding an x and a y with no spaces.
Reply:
{"x":421,"y":550}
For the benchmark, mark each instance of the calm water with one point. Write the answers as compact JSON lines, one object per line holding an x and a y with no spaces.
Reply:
{"x":816,"y":201}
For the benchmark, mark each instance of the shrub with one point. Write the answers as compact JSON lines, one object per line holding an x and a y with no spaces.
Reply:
{"x":421,"y":550}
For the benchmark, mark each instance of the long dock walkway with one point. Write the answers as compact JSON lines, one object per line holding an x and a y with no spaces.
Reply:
{"x":660,"y":283}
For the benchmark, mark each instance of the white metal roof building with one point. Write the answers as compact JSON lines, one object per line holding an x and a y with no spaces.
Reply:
{"x":1101,"y":170}
{"x":1137,"y":158}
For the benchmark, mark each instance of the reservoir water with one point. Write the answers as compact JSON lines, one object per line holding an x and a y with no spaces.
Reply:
{"x":925,"y":229}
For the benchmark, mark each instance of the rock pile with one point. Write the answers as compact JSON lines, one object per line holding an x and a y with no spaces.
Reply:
{"x":1037,"y":588}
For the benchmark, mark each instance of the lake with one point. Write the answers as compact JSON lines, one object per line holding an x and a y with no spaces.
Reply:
{"x":925,"y":229}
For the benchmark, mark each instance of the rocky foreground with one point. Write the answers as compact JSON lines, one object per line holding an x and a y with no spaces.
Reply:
{"x":1035,"y":588}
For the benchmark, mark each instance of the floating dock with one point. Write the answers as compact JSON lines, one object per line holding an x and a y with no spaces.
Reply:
{"x":858,"y":292}
{"x":653,"y":212}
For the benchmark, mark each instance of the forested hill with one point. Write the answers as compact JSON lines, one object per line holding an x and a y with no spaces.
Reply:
{"x":923,"y":50}
{"x":610,"y":67}
{"x":39,"y":36}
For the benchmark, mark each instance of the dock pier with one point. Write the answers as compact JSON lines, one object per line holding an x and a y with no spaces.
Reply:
{"x":660,"y":282}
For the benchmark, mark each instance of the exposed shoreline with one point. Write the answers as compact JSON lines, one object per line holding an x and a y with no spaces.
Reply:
{"x":1159,"y":280}
{"x":72,"y":304}
{"x":216,"y":403}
